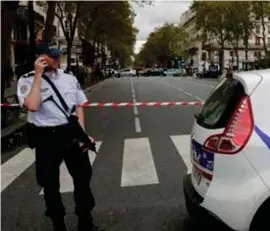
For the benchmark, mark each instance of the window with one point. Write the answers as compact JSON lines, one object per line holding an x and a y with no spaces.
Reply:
{"x":221,"y":104}
{"x":258,"y":29}
{"x":257,"y":54}
{"x":203,"y":56}
{"x":257,"y":17}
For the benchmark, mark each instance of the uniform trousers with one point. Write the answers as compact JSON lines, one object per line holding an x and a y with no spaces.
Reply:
{"x":53,"y":146}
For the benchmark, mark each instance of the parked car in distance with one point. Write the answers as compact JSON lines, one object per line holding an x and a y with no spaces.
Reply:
{"x":127,"y":73}
{"x":172,"y":72}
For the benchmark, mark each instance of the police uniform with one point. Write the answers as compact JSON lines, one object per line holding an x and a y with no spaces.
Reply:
{"x":53,"y":144}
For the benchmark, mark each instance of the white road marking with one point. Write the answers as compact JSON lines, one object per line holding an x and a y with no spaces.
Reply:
{"x":138,"y":127}
{"x":179,"y":89}
{"x":138,"y":164}
{"x":187,"y":93}
{"x":137,"y":123}
{"x":15,"y":166}
{"x":201,"y":83}
{"x":135,"y":110}
{"x":199,"y":98}
{"x":182,"y":144}
{"x":66,"y":183}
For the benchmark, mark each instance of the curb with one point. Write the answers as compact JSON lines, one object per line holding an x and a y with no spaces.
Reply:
{"x":94,"y":87}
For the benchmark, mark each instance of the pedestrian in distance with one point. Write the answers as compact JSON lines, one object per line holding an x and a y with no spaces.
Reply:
{"x":54,"y":101}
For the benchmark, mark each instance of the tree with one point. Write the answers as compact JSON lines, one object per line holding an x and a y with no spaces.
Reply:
{"x":68,"y":13}
{"x":48,"y":32}
{"x":110,"y":24}
{"x":238,"y":25}
{"x":211,"y":19}
{"x":163,"y":44}
{"x":8,"y":16}
{"x":32,"y":37}
{"x":262,"y":10}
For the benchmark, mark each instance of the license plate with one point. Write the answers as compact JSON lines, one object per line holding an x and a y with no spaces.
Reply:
{"x":197,"y":176}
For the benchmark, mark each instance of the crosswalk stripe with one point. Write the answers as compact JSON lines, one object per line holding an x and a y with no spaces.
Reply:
{"x":138,"y":164}
{"x":66,"y":183}
{"x":15,"y":166}
{"x":182,"y":144}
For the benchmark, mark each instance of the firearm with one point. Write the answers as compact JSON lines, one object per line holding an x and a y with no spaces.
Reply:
{"x":79,"y":134}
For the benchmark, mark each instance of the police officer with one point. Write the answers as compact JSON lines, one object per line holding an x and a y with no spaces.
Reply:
{"x":51,"y":138}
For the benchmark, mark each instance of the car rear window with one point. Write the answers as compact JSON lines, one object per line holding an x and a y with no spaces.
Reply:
{"x":219,"y":107}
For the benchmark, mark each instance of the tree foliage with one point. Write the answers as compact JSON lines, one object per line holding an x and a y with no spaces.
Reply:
{"x":230,"y":22}
{"x":262,"y":10}
{"x":165,"y":43}
{"x":211,"y":19}
{"x":110,"y":23}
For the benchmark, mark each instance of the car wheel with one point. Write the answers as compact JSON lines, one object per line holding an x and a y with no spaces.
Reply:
{"x":261,"y":218}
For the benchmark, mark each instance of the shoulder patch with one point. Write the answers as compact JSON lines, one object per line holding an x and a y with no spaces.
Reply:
{"x":24,"y":89}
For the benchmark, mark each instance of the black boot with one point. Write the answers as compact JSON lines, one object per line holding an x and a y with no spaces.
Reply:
{"x":59,"y":224}
{"x":86,"y":223}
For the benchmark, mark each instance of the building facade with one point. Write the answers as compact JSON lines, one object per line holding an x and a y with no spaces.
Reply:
{"x":206,"y":51}
{"x":20,"y":34}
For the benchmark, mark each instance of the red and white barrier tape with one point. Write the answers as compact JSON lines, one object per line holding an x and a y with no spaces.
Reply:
{"x":129,"y":104}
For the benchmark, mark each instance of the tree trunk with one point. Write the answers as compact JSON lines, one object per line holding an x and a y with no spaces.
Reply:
{"x":32,"y":38}
{"x":264,"y":29}
{"x":246,"y":43}
{"x":8,"y":16}
{"x":48,"y":33}
{"x":69,"y":46}
{"x":237,"y":53}
{"x":221,"y":58}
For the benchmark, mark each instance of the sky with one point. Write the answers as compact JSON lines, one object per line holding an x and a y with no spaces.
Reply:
{"x":149,"y":17}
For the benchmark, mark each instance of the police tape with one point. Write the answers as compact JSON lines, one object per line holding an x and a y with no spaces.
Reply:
{"x":130,"y":104}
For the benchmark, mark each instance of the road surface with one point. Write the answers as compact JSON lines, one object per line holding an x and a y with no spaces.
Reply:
{"x":143,"y":154}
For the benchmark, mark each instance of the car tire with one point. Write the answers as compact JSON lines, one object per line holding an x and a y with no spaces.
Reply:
{"x":261,"y":218}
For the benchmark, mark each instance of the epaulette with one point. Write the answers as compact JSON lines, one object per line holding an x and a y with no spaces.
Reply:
{"x":69,"y":73}
{"x":27,"y":75}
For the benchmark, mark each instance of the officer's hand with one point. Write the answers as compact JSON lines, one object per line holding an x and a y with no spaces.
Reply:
{"x":81,"y":144}
{"x":40,"y":64}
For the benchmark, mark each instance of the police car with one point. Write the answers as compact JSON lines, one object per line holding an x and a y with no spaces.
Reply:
{"x":230,"y":154}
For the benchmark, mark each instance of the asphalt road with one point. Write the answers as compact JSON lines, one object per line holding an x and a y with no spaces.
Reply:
{"x":143,"y":155}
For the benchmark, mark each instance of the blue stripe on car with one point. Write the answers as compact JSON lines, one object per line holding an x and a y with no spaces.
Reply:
{"x":264,"y":137}
{"x":202,"y":157}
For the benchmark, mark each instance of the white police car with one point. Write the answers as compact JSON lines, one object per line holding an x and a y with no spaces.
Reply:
{"x":230,"y":143}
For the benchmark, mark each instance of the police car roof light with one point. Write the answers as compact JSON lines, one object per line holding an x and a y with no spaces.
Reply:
{"x":236,"y":133}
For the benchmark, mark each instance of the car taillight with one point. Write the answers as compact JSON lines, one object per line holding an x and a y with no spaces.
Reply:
{"x":236,"y":134}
